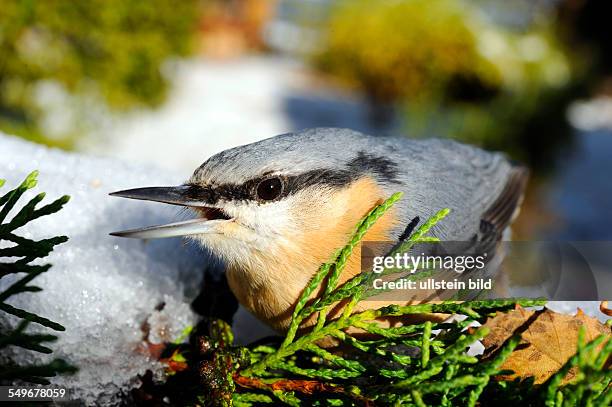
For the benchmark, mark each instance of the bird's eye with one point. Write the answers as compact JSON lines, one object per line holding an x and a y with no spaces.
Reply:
{"x":269,"y":189}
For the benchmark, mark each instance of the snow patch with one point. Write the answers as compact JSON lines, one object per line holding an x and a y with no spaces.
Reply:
{"x":103,"y":289}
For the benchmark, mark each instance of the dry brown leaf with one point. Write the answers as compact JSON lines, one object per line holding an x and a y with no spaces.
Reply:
{"x":603,"y":307}
{"x":548,"y":340}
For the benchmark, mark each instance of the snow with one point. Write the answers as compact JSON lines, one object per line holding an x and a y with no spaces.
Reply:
{"x":591,"y":115}
{"x":570,"y":307}
{"x":215,"y":105}
{"x":212,"y":106}
{"x":102,"y":288}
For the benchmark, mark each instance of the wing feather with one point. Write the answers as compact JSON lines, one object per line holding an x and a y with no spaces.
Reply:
{"x":505,"y":208}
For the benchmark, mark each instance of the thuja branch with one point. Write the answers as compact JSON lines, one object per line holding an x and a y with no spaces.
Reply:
{"x":23,"y":252}
{"x":337,"y":326}
{"x":353,"y":290}
{"x":333,"y":270}
{"x":418,"y":364}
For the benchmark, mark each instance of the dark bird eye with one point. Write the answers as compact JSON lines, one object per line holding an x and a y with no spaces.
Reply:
{"x":269,"y":189}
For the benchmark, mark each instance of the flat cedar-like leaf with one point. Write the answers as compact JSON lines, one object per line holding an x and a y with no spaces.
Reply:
{"x":548,"y":340}
{"x":19,"y":252}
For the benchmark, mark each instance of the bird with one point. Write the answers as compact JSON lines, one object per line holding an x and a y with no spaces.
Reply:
{"x":275,"y":210}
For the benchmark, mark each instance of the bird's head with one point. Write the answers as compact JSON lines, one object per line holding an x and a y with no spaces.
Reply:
{"x":275,"y":210}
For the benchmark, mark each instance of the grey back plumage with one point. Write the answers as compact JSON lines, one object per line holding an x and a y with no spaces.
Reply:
{"x":432,"y":173}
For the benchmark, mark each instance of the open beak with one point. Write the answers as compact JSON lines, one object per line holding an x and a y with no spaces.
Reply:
{"x":209,"y":222}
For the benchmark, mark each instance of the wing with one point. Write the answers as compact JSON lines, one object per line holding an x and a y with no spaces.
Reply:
{"x":483,"y":190}
{"x":505,"y":208}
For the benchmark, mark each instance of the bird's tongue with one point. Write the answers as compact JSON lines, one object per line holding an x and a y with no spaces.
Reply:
{"x":211,"y":213}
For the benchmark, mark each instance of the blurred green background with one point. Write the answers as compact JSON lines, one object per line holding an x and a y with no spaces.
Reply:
{"x":452,"y":70}
{"x":173,"y":82}
{"x":108,"y":49}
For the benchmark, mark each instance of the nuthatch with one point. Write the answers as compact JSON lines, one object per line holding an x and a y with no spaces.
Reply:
{"x":275,"y":210}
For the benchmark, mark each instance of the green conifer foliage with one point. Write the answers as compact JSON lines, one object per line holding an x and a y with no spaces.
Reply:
{"x":17,"y":255}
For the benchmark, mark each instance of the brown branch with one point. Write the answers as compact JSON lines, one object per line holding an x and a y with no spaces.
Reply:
{"x":603,"y":307}
{"x":307,"y":387}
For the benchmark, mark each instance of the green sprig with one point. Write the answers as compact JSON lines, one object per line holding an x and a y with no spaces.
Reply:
{"x":25,"y":251}
{"x":394,"y":365}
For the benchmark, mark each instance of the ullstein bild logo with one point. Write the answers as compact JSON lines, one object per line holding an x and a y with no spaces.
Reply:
{"x":432,"y":284}
{"x":563,"y":271}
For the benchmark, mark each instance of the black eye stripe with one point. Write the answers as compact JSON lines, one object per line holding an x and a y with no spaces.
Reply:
{"x":248,"y":190}
{"x":362,"y":164}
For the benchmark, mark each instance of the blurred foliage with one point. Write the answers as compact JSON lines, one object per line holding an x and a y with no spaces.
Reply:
{"x":456,"y":72}
{"x":401,"y":49}
{"x":110,"y":49}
